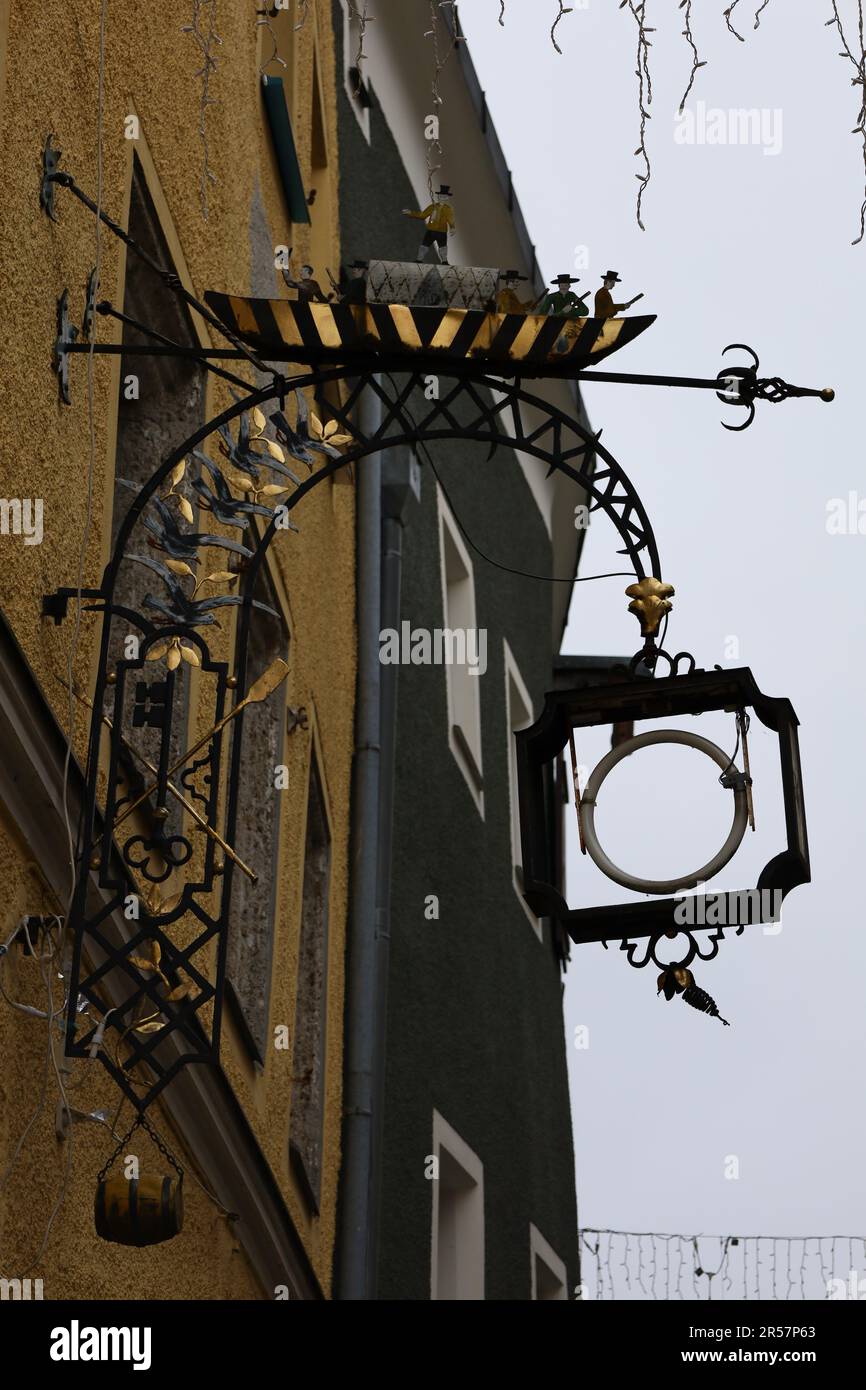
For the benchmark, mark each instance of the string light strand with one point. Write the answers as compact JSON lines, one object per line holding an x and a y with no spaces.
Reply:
{"x":205,"y":43}
{"x":362,"y":18}
{"x":264,"y":22}
{"x":625,"y":1271}
{"x":697,"y":61}
{"x":858,"y":62}
{"x":563,"y":11}
{"x":637,"y":9}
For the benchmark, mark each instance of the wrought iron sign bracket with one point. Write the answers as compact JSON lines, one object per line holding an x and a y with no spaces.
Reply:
{"x":155,"y":1007}
{"x":56,"y":605}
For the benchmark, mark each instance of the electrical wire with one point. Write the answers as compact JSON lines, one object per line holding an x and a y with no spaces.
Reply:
{"x":204,"y":43}
{"x":264,"y":21}
{"x":67,"y":1168}
{"x":51,"y":1059}
{"x":40,"y":1103}
{"x":91,"y":467}
{"x":509,"y":569}
{"x":488,"y":559}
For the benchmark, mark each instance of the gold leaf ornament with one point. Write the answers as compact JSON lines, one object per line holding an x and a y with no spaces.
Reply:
{"x":181,"y":991}
{"x":185,"y":508}
{"x":141,"y":964}
{"x":327,"y":434}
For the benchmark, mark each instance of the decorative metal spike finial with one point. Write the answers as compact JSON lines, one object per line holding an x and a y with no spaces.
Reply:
{"x":676,"y":979}
{"x":699,"y":999}
{"x":745,"y":387}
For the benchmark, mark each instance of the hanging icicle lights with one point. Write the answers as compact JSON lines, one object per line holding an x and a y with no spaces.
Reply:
{"x":856,"y":56}
{"x":433,"y":146}
{"x":203,"y":31}
{"x":854,"y":52}
{"x":697,"y":62}
{"x":264,"y":22}
{"x":688,"y":1268}
{"x":361,"y":18}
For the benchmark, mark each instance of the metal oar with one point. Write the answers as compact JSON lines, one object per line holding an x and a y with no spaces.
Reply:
{"x":266,"y":684}
{"x":175,"y":791}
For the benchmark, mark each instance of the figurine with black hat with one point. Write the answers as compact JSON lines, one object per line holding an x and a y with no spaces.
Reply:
{"x":564,"y":302}
{"x":507,"y":298}
{"x":352,"y":286}
{"x":604,"y":305}
{"x":439,"y":217}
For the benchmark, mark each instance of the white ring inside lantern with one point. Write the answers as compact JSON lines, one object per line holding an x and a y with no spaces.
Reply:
{"x":609,"y":762}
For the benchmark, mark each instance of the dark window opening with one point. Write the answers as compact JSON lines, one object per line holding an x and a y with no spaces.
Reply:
{"x":308,"y":1061}
{"x":161,"y":403}
{"x":257,"y":834}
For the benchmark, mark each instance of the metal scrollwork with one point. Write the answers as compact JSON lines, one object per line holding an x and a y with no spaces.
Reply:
{"x":237,"y":468}
{"x":649,"y":945}
{"x":745,"y":387}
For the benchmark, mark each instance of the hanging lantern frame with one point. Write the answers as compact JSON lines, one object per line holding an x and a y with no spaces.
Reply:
{"x":627,"y":700}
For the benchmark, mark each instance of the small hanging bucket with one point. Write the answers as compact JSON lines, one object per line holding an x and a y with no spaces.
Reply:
{"x":139,"y":1211}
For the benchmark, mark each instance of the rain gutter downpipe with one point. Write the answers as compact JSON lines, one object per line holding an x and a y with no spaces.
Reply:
{"x":354,"y":1273}
{"x":400,"y":484}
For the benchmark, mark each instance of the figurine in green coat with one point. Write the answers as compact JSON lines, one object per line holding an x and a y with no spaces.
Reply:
{"x":564,"y":302}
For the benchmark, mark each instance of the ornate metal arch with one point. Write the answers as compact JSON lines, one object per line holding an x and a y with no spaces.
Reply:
{"x":142,"y":997}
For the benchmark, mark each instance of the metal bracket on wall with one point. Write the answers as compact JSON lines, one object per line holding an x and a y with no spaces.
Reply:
{"x":67,"y":333}
{"x":296,"y":718}
{"x":50,"y":162}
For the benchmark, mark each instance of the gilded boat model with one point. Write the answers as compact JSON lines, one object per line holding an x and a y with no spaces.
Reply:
{"x":461,"y":327}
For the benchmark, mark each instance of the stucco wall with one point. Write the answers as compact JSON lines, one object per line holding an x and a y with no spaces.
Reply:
{"x":51,"y":84}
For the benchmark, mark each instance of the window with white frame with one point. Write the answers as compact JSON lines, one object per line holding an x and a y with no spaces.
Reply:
{"x":354,"y":79}
{"x":462,"y":649}
{"x":457,"y":1252}
{"x":548,"y":1270}
{"x":518,"y":713}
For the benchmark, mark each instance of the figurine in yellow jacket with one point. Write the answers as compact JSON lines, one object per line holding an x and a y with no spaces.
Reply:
{"x":439,"y":217}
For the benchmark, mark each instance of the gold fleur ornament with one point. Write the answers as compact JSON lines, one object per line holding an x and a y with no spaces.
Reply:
{"x":327,"y":434}
{"x":174,"y":652}
{"x":650,"y":600}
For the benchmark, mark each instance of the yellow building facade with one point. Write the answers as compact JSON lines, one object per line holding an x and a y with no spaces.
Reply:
{"x":160,"y":117}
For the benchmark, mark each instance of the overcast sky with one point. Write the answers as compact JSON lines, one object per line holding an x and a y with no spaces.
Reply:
{"x":743,"y":243}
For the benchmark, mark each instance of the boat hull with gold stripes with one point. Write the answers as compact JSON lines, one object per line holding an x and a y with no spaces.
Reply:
{"x":523,"y":345}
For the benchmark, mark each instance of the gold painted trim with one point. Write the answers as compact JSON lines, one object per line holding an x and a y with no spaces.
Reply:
{"x":610,"y":331}
{"x":404,"y":323}
{"x":286,"y":322}
{"x":448,"y":329}
{"x":527,"y":336}
{"x":326,"y":327}
{"x":244,"y":316}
